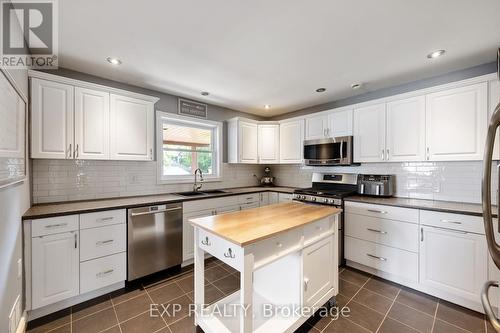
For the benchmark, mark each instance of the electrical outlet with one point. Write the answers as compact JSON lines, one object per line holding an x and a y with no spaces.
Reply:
{"x":19,"y":268}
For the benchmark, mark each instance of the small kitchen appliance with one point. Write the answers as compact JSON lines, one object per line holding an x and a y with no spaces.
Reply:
{"x":376,"y":185}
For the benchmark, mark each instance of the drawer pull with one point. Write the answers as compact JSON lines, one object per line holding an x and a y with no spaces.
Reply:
{"x":109,"y":241}
{"x":377,"y":211}
{"x":279,"y":244}
{"x":206,"y":242}
{"x":377,"y":231}
{"x":103,"y":274}
{"x":59,"y":225}
{"x":319,"y":228}
{"x":306,"y":283}
{"x":229,"y":254}
{"x":451,"y":230}
{"x":106,"y":219}
{"x":376,"y":257}
{"x":448,"y":221}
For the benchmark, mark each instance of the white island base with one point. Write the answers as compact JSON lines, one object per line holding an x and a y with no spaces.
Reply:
{"x":284,"y":279}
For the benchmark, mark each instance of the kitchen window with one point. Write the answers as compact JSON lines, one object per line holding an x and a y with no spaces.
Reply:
{"x":185,"y":145}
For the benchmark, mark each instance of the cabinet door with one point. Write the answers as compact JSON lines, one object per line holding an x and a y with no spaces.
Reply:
{"x":493,"y":100}
{"x":52,"y":114}
{"x":227,"y":209}
{"x":55,"y":268}
{"x":369,"y":133}
{"x":340,"y":122}
{"x":456,"y":123}
{"x":91,"y":124}
{"x":453,"y":261}
{"x":292,"y":141}
{"x":248,"y":134}
{"x":273,"y":198}
{"x":285,"y":197}
{"x":318,"y":277}
{"x":131,"y":128}
{"x":269,"y":143}
{"x":188,"y":232}
{"x":316,"y":127}
{"x":264,"y":199}
{"x":406,"y":130}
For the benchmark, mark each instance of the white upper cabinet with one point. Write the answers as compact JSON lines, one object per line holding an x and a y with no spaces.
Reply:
{"x":131,"y":128}
{"x":406,"y":130}
{"x":316,"y":126}
{"x":493,"y":100}
{"x":340,"y":122}
{"x":369,"y":133}
{"x":91,"y":124}
{"x":52,"y":116}
{"x":456,"y":123}
{"x":242,"y":141}
{"x":269,"y":143}
{"x":291,"y":141}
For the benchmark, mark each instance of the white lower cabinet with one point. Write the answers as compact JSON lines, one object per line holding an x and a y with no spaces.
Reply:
{"x":55,"y":268}
{"x":263,"y":198}
{"x":273,"y":198}
{"x":102,"y":272}
{"x":317,"y":280}
{"x":188,"y":232}
{"x":285,"y":197}
{"x":451,"y":261}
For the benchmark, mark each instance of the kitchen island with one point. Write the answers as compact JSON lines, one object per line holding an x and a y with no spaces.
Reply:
{"x":287,"y":258}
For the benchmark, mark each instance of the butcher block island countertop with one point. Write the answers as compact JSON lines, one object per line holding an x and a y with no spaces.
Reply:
{"x":247,"y":227}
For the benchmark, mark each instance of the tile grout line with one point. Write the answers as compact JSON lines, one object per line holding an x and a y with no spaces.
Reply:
{"x":435,"y":315}
{"x":153,"y":302}
{"x":116,"y":315}
{"x":389,"y":310}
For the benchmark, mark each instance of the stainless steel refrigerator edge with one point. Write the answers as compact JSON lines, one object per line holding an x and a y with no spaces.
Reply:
{"x":154,"y":239}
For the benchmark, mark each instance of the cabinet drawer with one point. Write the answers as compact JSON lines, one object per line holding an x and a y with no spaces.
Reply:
{"x":386,"y":212}
{"x":99,"y":219}
{"x":387,"y":259}
{"x":102,"y":272}
{"x":398,"y":234}
{"x":222,"y":249}
{"x":249,"y":198}
{"x":317,"y":229}
{"x":271,"y":248}
{"x":54,"y":225}
{"x":205,"y":204}
{"x":461,"y":222}
{"x":100,"y":242}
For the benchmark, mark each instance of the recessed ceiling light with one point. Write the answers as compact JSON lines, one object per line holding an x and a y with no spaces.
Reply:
{"x":356,"y":85}
{"x":114,"y":61}
{"x":267,"y":106}
{"x":320,"y":90}
{"x":205,"y":93}
{"x":435,"y":54}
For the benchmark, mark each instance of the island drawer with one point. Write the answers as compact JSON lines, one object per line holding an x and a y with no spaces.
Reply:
{"x":272,"y":248}
{"x":461,"y":222}
{"x":381,"y":211}
{"x":102,"y":272}
{"x":383,"y":258}
{"x":398,"y":234}
{"x":318,"y":228}
{"x":100,"y":242}
{"x":248,"y":198}
{"x":99,"y":219}
{"x":54,"y":225}
{"x":222,"y":249}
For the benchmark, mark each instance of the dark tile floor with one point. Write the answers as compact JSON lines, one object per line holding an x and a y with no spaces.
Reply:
{"x":375,"y":305}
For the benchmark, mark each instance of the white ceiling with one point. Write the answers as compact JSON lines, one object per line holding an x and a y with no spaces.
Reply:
{"x":277,"y":52}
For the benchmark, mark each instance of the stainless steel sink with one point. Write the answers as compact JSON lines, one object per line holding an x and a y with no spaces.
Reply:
{"x":200,"y":193}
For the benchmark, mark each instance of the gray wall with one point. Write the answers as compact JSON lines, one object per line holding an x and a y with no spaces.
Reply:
{"x":411,"y":86}
{"x":14,"y":201}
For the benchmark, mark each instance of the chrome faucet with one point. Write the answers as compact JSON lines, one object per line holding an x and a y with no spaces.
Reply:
{"x":197,"y":187}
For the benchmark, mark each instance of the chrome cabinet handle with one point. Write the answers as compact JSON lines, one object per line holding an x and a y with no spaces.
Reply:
{"x":76,"y":241}
{"x":376,"y":257}
{"x":382,"y":155}
{"x":306,"y":283}
{"x":206,"y":242}
{"x":70,"y":151}
{"x":279,"y":244}
{"x":377,"y":211}
{"x":387,"y":150}
{"x":229,"y":253}
{"x":452,"y":230}
{"x":105,"y":242}
{"x":421,"y":234}
{"x":103,"y":219}
{"x":76,"y":151}
{"x":58,"y":225}
{"x":428,"y":153}
{"x":102,"y":274}
{"x":448,"y":221}
{"x":377,"y":231}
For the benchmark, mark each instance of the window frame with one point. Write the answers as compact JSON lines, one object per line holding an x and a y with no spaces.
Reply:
{"x":216,"y":128}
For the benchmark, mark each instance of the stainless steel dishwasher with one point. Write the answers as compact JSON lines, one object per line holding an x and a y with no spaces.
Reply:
{"x":154,"y":239}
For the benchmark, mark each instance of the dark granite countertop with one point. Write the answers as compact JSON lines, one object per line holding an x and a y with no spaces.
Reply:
{"x":87,"y":206}
{"x":434,"y":205}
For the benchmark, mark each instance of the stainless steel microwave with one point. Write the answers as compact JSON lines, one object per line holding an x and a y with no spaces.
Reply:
{"x":328,"y":151}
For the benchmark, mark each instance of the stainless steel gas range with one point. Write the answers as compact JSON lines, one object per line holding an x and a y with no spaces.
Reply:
{"x":330,"y":189}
